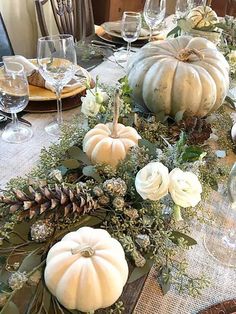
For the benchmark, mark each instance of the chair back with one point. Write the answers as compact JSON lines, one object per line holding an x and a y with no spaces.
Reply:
{"x":5,"y":44}
{"x":73,"y":17}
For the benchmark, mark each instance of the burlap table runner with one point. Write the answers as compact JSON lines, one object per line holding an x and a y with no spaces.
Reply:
{"x":223,"y":279}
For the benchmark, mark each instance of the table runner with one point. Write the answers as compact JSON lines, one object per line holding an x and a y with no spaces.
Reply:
{"x":18,"y":160}
{"x":223,"y":279}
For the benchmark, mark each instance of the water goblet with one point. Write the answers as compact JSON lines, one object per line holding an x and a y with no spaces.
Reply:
{"x":14,"y":97}
{"x":130,"y":28}
{"x":182,"y":8}
{"x":56,"y":57}
{"x":154,"y":13}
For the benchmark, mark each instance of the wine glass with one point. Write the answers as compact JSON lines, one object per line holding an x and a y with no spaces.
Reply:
{"x":154,"y":13}
{"x":56,"y":59}
{"x":14,"y":97}
{"x":130,"y":28}
{"x":196,"y":3}
{"x":182,"y":8}
{"x":220,"y":239}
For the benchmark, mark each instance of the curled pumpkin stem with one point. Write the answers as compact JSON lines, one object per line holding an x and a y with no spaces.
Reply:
{"x":184,"y":54}
{"x":114,"y":133}
{"x":85,"y":251}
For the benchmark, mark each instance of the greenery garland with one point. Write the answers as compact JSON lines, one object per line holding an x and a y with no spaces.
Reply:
{"x":65,"y":192}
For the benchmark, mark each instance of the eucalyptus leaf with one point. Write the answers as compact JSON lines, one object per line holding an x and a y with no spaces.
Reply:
{"x":4,"y":287}
{"x":77,"y":153}
{"x":30,"y":261}
{"x":164,"y":279}
{"x":150,"y":146}
{"x":177,"y":235}
{"x":63,"y":170}
{"x":175,"y":31}
{"x":230,"y":101}
{"x":2,"y":260}
{"x":10,"y":308}
{"x":191,"y":153}
{"x":46,"y":299}
{"x":90,"y":171}
{"x":139,"y":272}
{"x":71,"y":163}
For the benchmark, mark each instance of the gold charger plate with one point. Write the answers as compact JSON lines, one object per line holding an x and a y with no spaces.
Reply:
{"x":42,"y":94}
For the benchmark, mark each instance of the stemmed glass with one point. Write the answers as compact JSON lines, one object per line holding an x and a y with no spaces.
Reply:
{"x":220,"y":240}
{"x":154,"y":13}
{"x":14,"y":97}
{"x":182,"y":8}
{"x":130,"y":28}
{"x":56,"y":57}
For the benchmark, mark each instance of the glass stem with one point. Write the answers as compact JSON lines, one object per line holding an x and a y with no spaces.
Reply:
{"x":128,"y":49}
{"x":14,"y":121}
{"x":59,"y":106}
{"x":150,"y":35}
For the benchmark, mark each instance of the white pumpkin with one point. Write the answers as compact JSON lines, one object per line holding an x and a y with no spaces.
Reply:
{"x":180,"y":75}
{"x":109,"y":143}
{"x":202,"y":16}
{"x":86,"y":270}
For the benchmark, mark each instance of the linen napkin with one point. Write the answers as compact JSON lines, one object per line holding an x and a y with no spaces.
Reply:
{"x":116,"y":28}
{"x":35,"y":78}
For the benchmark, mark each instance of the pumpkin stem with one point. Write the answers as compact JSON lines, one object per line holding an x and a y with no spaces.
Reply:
{"x":114,"y":133}
{"x":184,"y":54}
{"x":85,"y":251}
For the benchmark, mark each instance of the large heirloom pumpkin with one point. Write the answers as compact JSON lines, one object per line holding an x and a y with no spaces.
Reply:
{"x":86,"y":270}
{"x":181,"y":75}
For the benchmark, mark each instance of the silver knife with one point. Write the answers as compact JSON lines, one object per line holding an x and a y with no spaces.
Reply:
{"x":6,"y":116}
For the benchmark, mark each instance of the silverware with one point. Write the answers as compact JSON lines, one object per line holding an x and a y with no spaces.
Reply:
{"x":101,"y":43}
{"x":8,"y":117}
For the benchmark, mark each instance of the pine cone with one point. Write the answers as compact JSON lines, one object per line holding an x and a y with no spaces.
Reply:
{"x":54,"y":203}
{"x":196,"y":129}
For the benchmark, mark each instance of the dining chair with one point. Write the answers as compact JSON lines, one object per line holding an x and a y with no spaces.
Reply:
{"x":73,"y":17}
{"x":5,"y":43}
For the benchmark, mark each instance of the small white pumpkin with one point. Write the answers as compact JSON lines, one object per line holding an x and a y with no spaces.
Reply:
{"x":202,"y":16}
{"x":181,"y":75}
{"x":86,"y":270}
{"x":109,"y":143}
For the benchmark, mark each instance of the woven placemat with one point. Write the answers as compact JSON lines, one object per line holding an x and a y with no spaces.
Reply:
{"x":223,"y":281}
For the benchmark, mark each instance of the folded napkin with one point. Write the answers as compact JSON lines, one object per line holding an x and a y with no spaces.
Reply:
{"x":116,"y":28}
{"x":35,"y":78}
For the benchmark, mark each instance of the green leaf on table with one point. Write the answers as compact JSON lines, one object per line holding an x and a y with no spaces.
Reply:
{"x":30,"y":261}
{"x":174,"y":32}
{"x":90,"y":171}
{"x":46,"y":299}
{"x":230,"y":101}
{"x":148,"y":145}
{"x":164,"y":279}
{"x":139,"y":272}
{"x":191,"y":153}
{"x":77,"y":153}
{"x":4,"y":287}
{"x":71,"y":163}
{"x":177,"y":235}
{"x":2,"y":260}
{"x":10,"y":308}
{"x":63,"y":170}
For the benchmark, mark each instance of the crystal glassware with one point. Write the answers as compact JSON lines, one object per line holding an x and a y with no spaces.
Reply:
{"x":14,"y":97}
{"x":56,"y":57}
{"x":220,"y":238}
{"x":182,"y":8}
{"x":154,"y":13}
{"x":130,"y":28}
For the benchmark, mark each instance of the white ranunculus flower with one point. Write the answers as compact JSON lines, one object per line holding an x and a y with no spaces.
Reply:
{"x":152,"y":181}
{"x":92,"y":101}
{"x":185,"y":188}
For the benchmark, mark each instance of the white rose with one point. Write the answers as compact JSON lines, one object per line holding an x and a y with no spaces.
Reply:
{"x":92,"y":101}
{"x":185,"y":188}
{"x":152,"y":181}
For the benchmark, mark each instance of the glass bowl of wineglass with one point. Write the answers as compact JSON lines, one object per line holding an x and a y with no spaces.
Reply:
{"x":14,"y":97}
{"x":154,"y":13}
{"x":56,"y":58}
